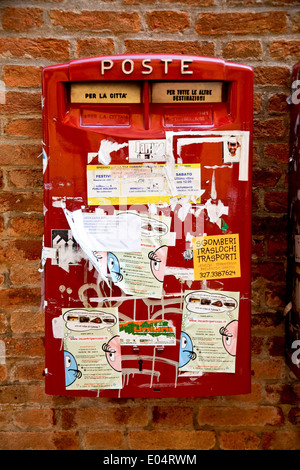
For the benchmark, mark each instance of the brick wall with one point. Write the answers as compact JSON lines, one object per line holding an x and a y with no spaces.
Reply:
{"x":261,"y":33}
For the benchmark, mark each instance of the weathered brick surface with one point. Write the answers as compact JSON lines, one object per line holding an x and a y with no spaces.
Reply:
{"x":263,"y":34}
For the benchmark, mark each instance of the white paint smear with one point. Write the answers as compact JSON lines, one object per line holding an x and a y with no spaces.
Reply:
{"x":106,"y":148}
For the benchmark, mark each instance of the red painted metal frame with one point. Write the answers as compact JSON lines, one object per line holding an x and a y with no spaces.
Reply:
{"x":66,"y":143}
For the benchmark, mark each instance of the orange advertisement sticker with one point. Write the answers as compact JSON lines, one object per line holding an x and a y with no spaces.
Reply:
{"x":216,"y":257}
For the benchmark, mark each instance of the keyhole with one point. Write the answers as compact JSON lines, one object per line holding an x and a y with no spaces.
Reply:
{"x":140,"y":365}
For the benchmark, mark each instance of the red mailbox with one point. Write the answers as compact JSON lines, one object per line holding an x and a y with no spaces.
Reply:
{"x":147,"y":243}
{"x":293,"y":285}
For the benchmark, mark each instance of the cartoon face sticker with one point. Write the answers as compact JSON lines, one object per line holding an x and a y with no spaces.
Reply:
{"x":158,"y":261}
{"x":114,"y":268}
{"x":186,"y":352}
{"x":71,"y":369}
{"x":112,"y":351}
{"x":101,"y":259}
{"x":229,"y":336}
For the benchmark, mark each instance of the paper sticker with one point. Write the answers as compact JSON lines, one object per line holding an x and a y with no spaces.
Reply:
{"x":216,"y":257}
{"x":67,"y":251}
{"x":92,"y":351}
{"x":140,"y":184}
{"x":112,"y":232}
{"x":209,"y":331}
{"x":141,"y":274}
{"x":232,"y":149}
{"x":147,"y":150}
{"x":148,"y":332}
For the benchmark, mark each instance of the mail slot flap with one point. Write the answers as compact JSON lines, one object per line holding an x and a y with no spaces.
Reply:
{"x":182,"y":92}
{"x":105,"y":92}
{"x":147,"y":67}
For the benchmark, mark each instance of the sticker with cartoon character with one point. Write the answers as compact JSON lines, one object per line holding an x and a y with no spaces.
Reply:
{"x":92,"y":351}
{"x":140,"y":273}
{"x":209,"y":337}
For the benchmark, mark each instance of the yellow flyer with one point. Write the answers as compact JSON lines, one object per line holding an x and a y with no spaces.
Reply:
{"x":216,"y":257}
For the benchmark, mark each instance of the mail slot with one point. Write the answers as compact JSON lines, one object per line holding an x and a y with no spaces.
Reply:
{"x":147,"y":240}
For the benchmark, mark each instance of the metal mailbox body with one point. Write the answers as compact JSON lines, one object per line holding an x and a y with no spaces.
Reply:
{"x":147,"y":137}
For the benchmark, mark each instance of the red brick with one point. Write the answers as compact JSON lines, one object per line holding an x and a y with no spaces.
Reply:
{"x":29,"y":372}
{"x":114,"y":21}
{"x":250,"y":416}
{"x":175,"y":440}
{"x":239,"y":440}
{"x":257,"y":103}
{"x":271,"y":369}
{"x":263,"y":226}
{"x":22,"y":75}
{"x":266,"y":75}
{"x":21,"y":102}
{"x":21,"y":201}
{"x":241,"y":23}
{"x":275,"y":295}
{"x":254,"y":397}
{"x":26,"y":226}
{"x":21,"y":19}
{"x":277,"y":246}
{"x":25,"y":178}
{"x":295,"y":19}
{"x":40,"y":48}
{"x":20,"y":250}
{"x":198,"y":3}
{"x":25,"y":128}
{"x":92,"y":47}
{"x":276,"y":201}
{"x":294,"y":416}
{"x":257,"y":344}
{"x":172,"y":416}
{"x":268,"y":177}
{"x":279,"y":152}
{"x":281,"y":393}
{"x":105,"y":417}
{"x":34,"y":323}
{"x":20,"y":296}
{"x":269,"y":270}
{"x":275,"y":346}
{"x":278,"y":104}
{"x":267,"y":321}
{"x":27,"y":274}
{"x":26,"y":154}
{"x":13,"y":394}
{"x":3,"y":323}
{"x":282,"y":49}
{"x":135,"y":46}
{"x":29,"y":440}
{"x":33,"y":419}
{"x":107,"y":440}
{"x":281,"y":440}
{"x":168,"y":20}
{"x":264,"y":128}
{"x":242,"y":49}
{"x":3,"y":373}
{"x":25,"y":346}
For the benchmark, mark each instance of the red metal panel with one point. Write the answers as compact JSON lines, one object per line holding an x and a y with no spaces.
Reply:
{"x":71,"y":132}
